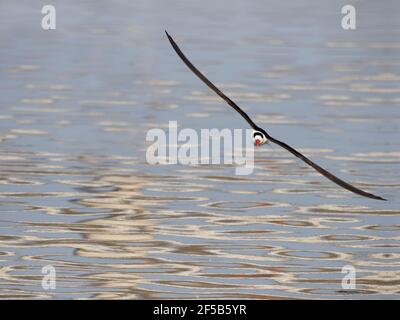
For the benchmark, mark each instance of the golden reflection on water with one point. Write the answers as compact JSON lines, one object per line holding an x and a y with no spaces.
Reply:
{"x":127,"y":234}
{"x":147,"y":236}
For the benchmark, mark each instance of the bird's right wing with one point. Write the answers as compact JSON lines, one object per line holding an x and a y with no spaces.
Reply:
{"x":209,"y":83}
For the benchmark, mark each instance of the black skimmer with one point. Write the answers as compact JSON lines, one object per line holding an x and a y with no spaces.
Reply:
{"x":260,"y":136}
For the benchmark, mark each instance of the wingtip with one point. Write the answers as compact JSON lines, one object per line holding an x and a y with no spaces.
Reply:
{"x":379,"y":198}
{"x":166,"y":32}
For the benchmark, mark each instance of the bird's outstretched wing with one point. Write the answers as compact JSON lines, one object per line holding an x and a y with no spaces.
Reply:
{"x":321,"y":170}
{"x":209,"y":83}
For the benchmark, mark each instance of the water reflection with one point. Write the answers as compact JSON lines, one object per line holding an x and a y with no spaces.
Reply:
{"x":77,"y":193}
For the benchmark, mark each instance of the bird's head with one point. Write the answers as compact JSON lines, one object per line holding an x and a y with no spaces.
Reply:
{"x":259,"y":138}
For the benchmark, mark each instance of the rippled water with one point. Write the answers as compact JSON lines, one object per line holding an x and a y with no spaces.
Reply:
{"x":77,"y":193}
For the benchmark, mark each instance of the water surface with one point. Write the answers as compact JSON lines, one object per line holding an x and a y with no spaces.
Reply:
{"x":77,"y":193}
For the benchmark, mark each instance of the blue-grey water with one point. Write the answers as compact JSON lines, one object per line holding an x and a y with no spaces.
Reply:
{"x":77,"y":193}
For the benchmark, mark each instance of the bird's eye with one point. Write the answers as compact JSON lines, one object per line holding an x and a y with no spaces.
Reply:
{"x":258,"y":138}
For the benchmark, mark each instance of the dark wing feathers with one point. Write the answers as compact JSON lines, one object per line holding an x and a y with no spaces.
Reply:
{"x":322,"y":171}
{"x":209,"y":83}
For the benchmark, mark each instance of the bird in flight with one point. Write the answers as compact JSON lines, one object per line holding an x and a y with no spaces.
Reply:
{"x":260,"y":136}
